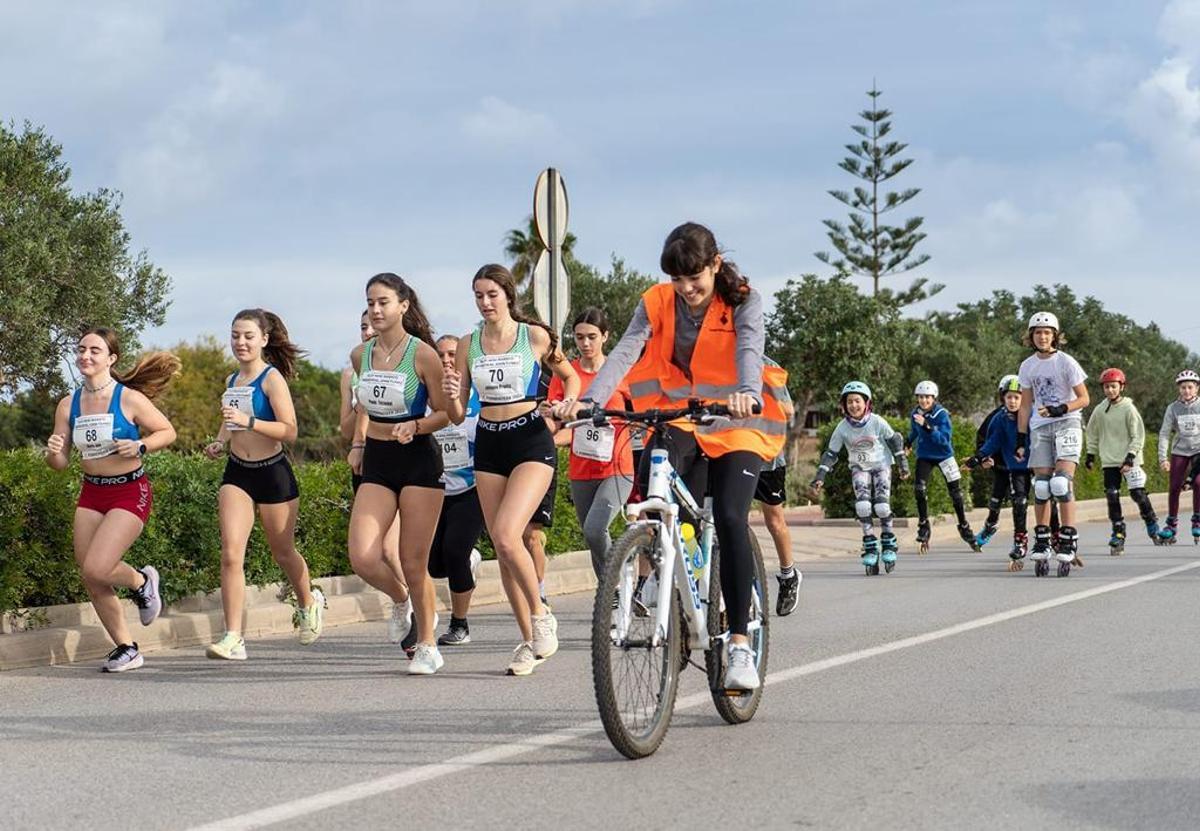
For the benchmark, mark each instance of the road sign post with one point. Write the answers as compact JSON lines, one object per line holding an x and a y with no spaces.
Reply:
{"x":551,"y":283}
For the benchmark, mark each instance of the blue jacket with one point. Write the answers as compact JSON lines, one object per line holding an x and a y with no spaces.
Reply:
{"x":1002,"y":441}
{"x":932,"y":441}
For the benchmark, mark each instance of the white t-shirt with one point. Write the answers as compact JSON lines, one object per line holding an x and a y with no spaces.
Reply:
{"x":1053,"y":381}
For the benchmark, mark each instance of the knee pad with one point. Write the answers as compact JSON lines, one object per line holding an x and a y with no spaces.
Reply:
{"x":1060,"y":487}
{"x":863,"y":509}
{"x":920,"y":486}
{"x":994,"y":503}
{"x":1113,"y":495}
{"x":883,"y":510}
{"x":1020,"y":505}
{"x":1041,"y":489}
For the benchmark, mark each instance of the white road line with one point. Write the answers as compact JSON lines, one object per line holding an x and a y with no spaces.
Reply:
{"x":502,"y":752}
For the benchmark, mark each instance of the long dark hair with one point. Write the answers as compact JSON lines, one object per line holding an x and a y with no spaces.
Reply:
{"x":414,"y":321}
{"x":502,"y":277}
{"x":690,"y":248}
{"x":592,"y":316}
{"x":152,"y":372}
{"x":279,"y":352}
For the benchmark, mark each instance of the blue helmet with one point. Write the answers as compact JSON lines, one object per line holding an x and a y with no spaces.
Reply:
{"x":858,"y":387}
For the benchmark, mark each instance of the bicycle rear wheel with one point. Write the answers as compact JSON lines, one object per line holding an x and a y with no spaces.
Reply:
{"x":737,"y":708}
{"x":635,"y":681}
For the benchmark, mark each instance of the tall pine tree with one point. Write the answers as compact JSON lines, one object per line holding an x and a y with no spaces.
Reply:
{"x":868,"y":246}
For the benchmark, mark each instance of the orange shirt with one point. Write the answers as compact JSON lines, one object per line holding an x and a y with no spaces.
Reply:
{"x":622,"y":460}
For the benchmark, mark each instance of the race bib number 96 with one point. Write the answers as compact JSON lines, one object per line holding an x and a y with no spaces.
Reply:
{"x":595,"y":443}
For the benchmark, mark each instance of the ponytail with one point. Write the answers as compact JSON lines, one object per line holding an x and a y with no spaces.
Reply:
{"x":691,"y":248}
{"x":279,"y":352}
{"x":502,"y":277}
{"x":152,"y":372}
{"x":415,"y":321}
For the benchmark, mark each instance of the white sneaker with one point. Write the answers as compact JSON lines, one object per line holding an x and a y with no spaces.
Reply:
{"x":523,"y":660}
{"x":409,"y":642}
{"x":476,"y":560}
{"x":231,"y":647}
{"x":398,"y":622}
{"x":741,"y":673}
{"x":312,"y":619}
{"x":426,"y":660}
{"x":545,"y":635}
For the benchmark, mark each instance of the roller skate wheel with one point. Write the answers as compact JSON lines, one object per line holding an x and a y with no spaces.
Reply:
{"x":1016,"y":565}
{"x":1064,"y":569}
{"x":887,"y":567}
{"x":1041,"y":568}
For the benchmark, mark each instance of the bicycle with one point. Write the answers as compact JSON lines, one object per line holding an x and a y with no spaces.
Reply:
{"x":656,"y":602}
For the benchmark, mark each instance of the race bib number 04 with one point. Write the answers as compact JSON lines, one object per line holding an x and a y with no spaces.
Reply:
{"x":241,"y":399}
{"x":595,"y":443}
{"x":456,"y":452}
{"x":93,"y":436}
{"x":498,"y":378}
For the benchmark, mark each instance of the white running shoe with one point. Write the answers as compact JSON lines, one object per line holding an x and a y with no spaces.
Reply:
{"x":426,"y":660}
{"x":545,"y":636}
{"x":147,"y":598}
{"x":312,"y":619}
{"x":476,"y":560}
{"x":523,"y":660}
{"x":399,"y":621}
{"x":231,"y":647}
{"x":122,"y":659}
{"x":741,"y":674}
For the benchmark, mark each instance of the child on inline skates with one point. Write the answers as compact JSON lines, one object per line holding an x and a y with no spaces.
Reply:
{"x":931,"y":434}
{"x":1050,"y":436}
{"x":1116,"y":433}
{"x":1183,"y":419}
{"x":871,"y":445}
{"x":1010,"y":475}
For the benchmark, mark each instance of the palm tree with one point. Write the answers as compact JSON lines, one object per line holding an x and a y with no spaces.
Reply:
{"x":523,"y":248}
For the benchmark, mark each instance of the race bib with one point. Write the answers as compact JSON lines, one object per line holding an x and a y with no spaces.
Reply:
{"x":498,"y":378}
{"x":866,"y":455}
{"x":93,"y":436}
{"x":456,"y":452}
{"x":950,"y":469}
{"x":1069,"y":442}
{"x":1135,"y":477}
{"x":240,"y":398}
{"x":1189,"y":425}
{"x":381,"y":393}
{"x":595,"y":443}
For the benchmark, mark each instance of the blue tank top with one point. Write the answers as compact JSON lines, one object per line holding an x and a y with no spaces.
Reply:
{"x":123,"y":428}
{"x":259,"y":402}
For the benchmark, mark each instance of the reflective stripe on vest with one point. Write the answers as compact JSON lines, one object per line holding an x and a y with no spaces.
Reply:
{"x":655,"y":381}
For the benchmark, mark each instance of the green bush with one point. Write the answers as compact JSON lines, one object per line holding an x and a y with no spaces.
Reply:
{"x":182,"y":538}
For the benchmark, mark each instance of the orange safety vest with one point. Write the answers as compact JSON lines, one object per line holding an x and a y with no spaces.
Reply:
{"x":655,"y":381}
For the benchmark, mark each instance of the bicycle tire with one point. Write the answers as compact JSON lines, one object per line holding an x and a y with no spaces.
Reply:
{"x":737,"y":709}
{"x":633,"y":737}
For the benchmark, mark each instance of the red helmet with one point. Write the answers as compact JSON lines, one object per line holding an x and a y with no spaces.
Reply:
{"x":1112,"y":374}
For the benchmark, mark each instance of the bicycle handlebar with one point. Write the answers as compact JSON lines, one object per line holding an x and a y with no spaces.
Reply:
{"x":695,"y":411}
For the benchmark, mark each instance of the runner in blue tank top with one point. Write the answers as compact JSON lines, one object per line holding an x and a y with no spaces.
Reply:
{"x":515,"y":455}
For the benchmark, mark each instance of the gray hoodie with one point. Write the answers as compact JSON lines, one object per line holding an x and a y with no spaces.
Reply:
{"x":1184,"y":420}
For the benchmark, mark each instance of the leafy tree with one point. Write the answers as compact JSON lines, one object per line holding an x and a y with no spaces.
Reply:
{"x":29,"y":416}
{"x":65,"y":263}
{"x":617,"y":292}
{"x":523,"y":247}
{"x":868,"y":246}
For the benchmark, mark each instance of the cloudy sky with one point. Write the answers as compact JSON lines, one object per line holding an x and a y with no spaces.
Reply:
{"x":278,"y":153}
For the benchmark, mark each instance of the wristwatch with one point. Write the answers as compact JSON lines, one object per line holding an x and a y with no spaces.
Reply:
{"x":250,"y":423}
{"x":141,"y":448}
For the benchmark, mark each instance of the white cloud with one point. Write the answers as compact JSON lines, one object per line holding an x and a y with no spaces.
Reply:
{"x":496,"y":122}
{"x":197,"y":143}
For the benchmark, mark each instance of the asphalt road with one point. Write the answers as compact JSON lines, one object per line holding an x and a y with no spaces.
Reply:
{"x":950,"y":694}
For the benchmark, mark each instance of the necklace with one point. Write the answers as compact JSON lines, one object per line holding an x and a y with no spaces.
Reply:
{"x":100,"y":388}
{"x":387,"y":356}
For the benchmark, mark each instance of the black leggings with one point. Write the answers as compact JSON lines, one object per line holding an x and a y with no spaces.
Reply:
{"x":1008,"y":484}
{"x":921,"y":485}
{"x":458,"y":529}
{"x":1112,"y":492}
{"x":731,"y":481}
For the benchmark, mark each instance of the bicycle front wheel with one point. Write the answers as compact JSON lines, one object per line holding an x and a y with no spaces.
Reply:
{"x":737,"y":708}
{"x":635,"y":679}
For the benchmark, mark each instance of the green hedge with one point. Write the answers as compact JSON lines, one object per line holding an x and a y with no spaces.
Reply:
{"x":838,"y":498}
{"x":182,"y":538}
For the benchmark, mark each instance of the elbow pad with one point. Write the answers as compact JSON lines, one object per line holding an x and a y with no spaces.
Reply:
{"x":896,"y":443}
{"x":828,"y":460}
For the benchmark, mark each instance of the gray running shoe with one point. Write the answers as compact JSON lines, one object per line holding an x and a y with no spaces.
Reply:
{"x":124,"y":657}
{"x":789,"y":593}
{"x":458,"y":634}
{"x":146,"y":598}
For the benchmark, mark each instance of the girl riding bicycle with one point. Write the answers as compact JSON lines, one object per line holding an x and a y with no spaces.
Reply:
{"x":701,"y":336}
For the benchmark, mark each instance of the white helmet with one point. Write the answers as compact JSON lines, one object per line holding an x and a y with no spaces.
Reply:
{"x":1187,"y":375}
{"x":1009,"y":383}
{"x":926,"y":388}
{"x":1044,"y":319}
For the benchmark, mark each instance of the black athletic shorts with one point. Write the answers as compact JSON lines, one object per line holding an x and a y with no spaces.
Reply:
{"x":772,"y":486}
{"x":396,"y":466}
{"x":267,"y":481}
{"x":459,"y":527}
{"x":544,"y":515}
{"x":502,"y":445}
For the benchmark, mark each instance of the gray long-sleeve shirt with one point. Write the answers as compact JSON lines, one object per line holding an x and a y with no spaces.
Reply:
{"x":1184,"y":420}
{"x":751,"y":338}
